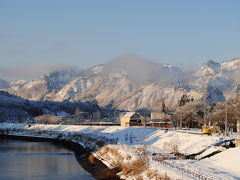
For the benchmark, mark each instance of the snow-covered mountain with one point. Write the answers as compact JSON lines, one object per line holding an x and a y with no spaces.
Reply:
{"x":224,"y":76}
{"x":43,"y":87}
{"x":130,"y":82}
{"x":209,"y":68}
{"x":231,"y":65}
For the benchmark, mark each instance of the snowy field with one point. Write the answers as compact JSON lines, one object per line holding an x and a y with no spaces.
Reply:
{"x":224,"y":165}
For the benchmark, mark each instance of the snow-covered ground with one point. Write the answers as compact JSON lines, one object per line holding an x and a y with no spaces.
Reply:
{"x":224,"y":165}
{"x":227,"y":163}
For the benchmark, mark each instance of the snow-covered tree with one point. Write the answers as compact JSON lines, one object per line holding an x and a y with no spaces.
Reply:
{"x":191,"y":114}
{"x":78,"y":115}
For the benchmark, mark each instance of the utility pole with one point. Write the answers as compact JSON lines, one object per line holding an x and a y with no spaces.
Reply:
{"x":237,"y":119}
{"x":204,"y":115}
{"x":181,"y":120}
{"x":226,"y":119}
{"x":131,"y":137}
{"x":145,"y":119}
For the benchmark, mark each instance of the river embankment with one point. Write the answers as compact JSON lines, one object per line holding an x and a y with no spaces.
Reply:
{"x":137,"y":152}
{"x":83,"y":155}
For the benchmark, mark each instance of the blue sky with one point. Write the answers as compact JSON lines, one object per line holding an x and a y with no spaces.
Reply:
{"x":89,"y":32}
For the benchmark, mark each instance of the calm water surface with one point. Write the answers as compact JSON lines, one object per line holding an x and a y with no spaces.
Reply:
{"x":23,"y":160}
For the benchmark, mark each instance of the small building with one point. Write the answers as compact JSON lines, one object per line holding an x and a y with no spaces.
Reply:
{"x":160,"y":119}
{"x":131,"y":119}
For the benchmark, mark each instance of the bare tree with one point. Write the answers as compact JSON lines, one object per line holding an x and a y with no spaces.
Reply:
{"x":78,"y":116}
{"x":47,"y":119}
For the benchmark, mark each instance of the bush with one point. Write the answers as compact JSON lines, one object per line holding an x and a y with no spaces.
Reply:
{"x":171,"y":146}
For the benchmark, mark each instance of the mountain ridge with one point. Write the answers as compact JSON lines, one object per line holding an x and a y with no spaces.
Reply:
{"x":131,"y":83}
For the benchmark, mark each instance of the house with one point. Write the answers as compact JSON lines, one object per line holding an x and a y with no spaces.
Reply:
{"x":131,"y":119}
{"x":160,"y":119}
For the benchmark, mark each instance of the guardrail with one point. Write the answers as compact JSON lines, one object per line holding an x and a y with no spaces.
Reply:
{"x":160,"y":158}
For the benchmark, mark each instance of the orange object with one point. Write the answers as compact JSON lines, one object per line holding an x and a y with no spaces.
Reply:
{"x":91,"y":159}
{"x":206,"y":131}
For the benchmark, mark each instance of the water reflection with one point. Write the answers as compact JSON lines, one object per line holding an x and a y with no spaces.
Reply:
{"x":38,"y":160}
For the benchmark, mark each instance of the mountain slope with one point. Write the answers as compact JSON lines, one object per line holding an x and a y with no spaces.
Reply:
{"x":130,"y":82}
{"x":112,"y":83}
{"x":44,"y":87}
{"x":16,"y":109}
{"x":224,"y":76}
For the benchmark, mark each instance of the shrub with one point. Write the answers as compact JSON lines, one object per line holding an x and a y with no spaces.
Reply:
{"x":171,"y":146}
{"x":135,"y":168}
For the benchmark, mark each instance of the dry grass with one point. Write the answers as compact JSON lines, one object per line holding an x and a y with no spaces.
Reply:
{"x":128,"y":157}
{"x":107,"y":153}
{"x":130,"y":169}
{"x":153,"y":174}
{"x":139,"y":178}
{"x":103,"y":151}
{"x":134,"y":168}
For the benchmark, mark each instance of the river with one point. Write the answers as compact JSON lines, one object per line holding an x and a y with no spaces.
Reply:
{"x":25,"y":160}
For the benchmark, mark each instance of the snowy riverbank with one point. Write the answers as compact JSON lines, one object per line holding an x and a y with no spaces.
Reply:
{"x":132,"y":141}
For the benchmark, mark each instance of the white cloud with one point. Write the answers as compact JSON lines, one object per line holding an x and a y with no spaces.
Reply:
{"x":28,"y":72}
{"x":141,"y":70}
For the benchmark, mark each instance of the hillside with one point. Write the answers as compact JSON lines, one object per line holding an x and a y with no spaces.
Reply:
{"x":16,"y":109}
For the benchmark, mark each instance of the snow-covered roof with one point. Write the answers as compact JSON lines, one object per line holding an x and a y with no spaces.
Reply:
{"x":129,"y":114}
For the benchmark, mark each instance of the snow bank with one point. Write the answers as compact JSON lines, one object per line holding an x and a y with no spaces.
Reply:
{"x":154,"y":138}
{"x":224,"y":165}
{"x":226,"y":162}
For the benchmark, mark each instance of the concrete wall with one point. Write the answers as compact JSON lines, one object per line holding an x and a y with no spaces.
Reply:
{"x":158,"y":115}
{"x":237,"y":142}
{"x":161,"y":125}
